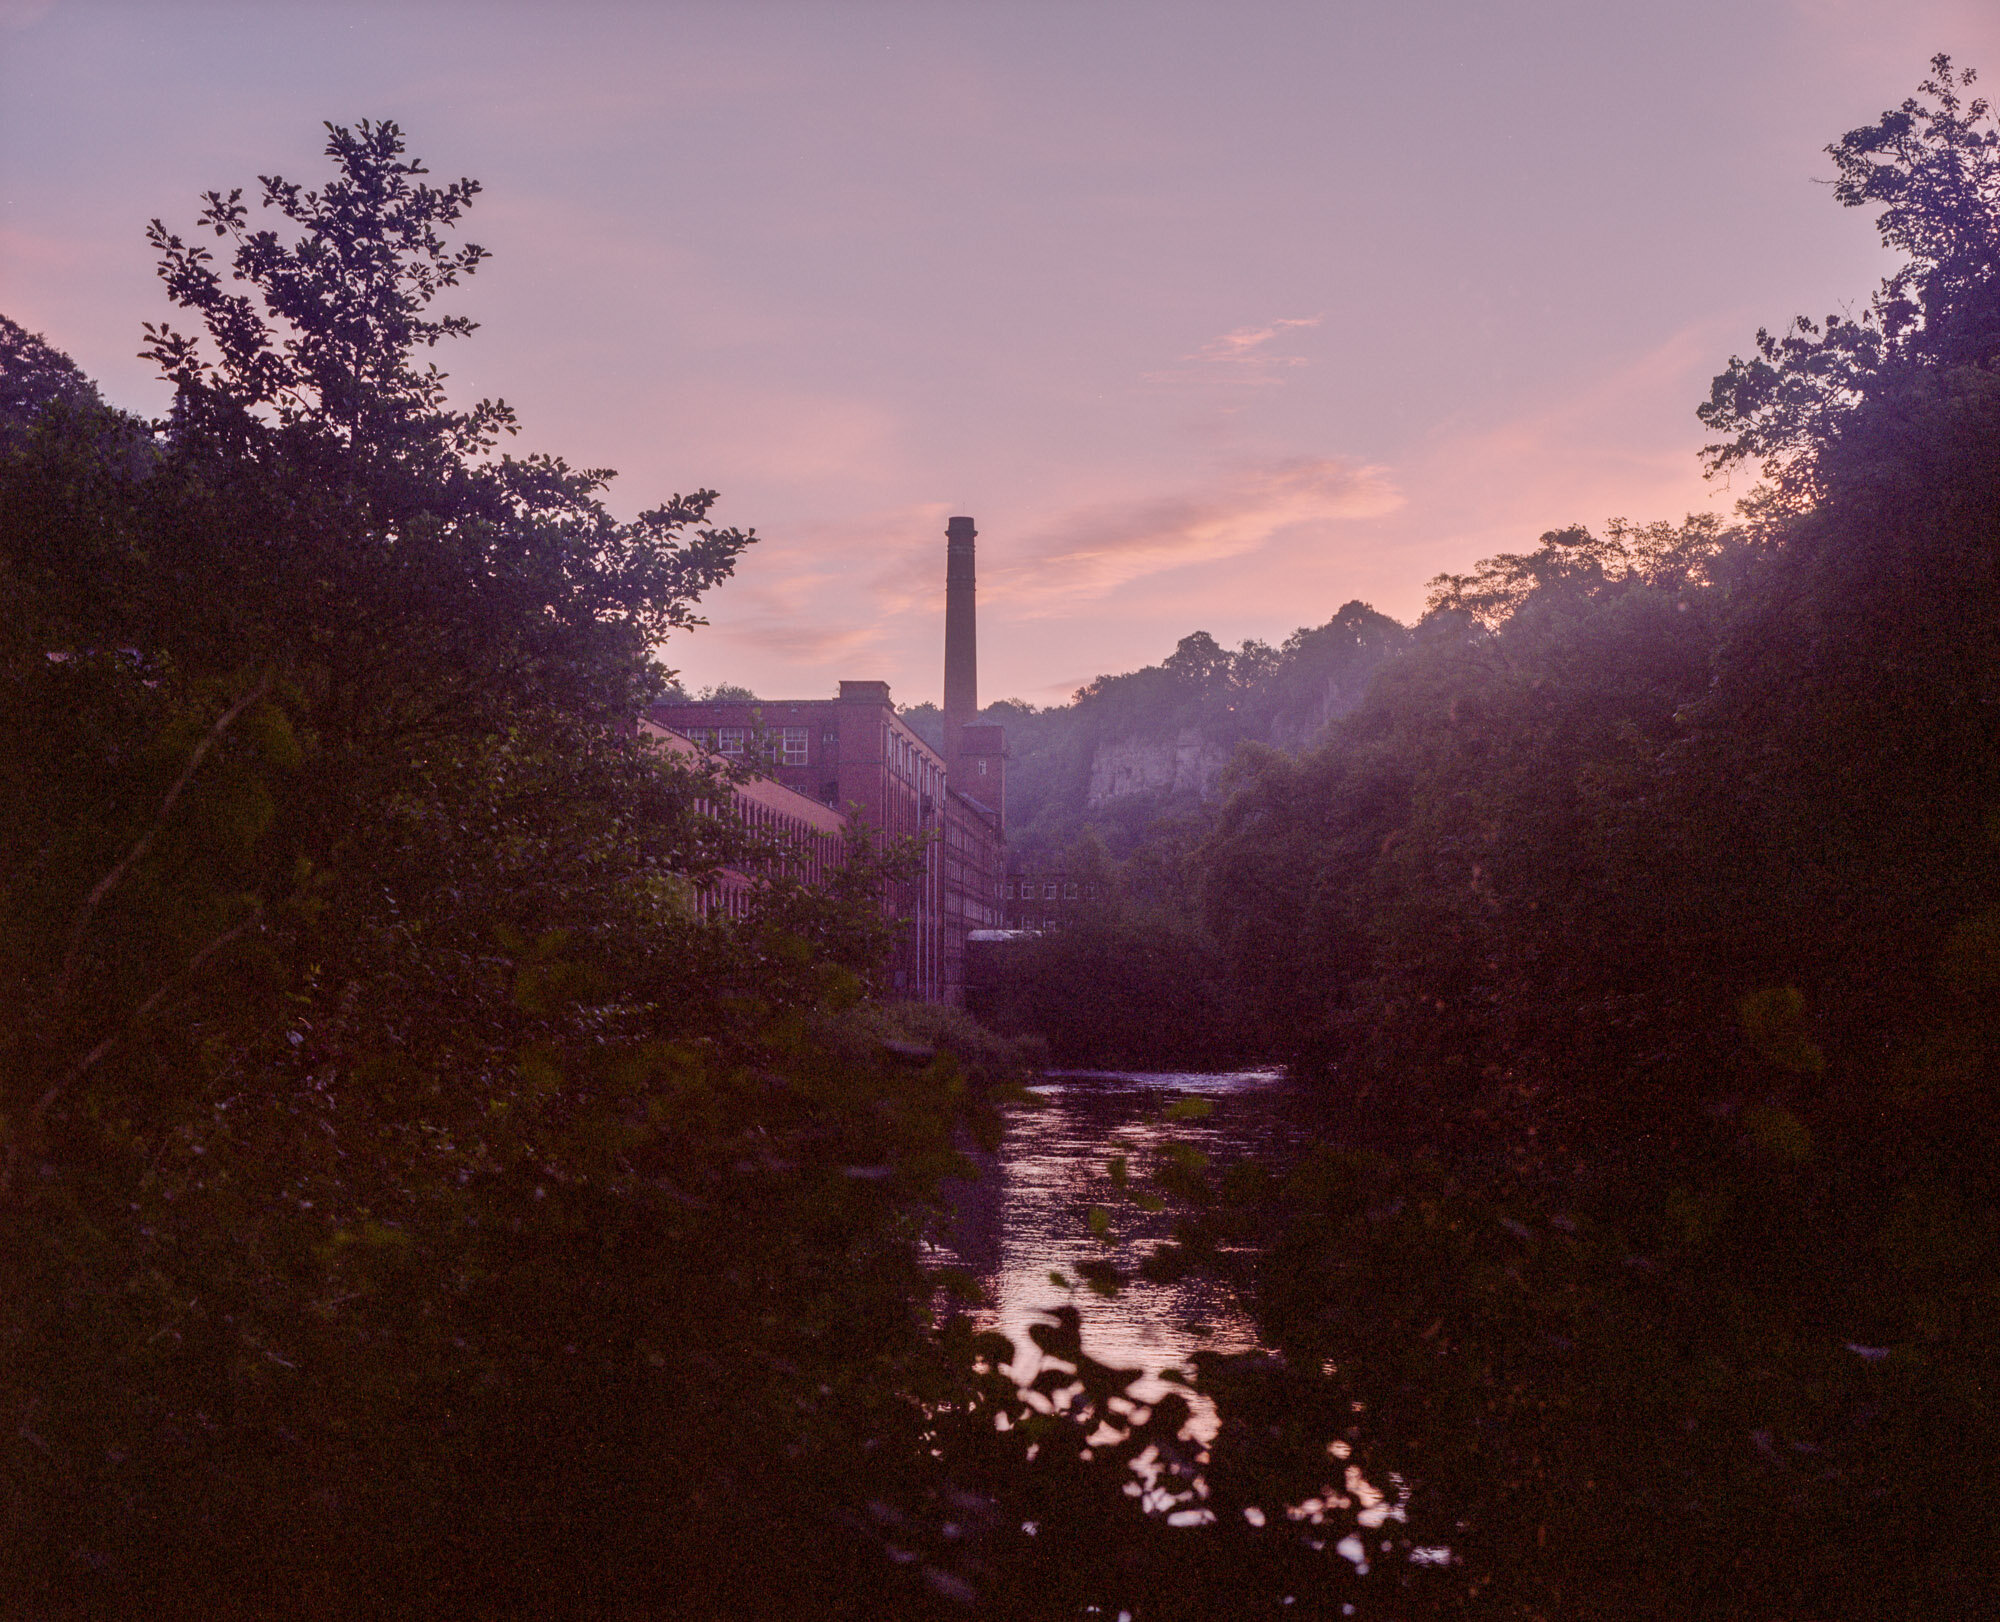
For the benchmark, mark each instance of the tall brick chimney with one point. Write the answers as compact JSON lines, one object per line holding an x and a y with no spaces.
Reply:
{"x":961,"y":647}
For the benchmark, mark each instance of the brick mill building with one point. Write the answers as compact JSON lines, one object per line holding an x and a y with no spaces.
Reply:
{"x":855,"y":757}
{"x":1044,"y":897}
{"x":813,"y":835}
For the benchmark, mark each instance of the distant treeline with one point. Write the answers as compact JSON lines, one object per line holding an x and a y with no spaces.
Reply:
{"x":1201,"y":692}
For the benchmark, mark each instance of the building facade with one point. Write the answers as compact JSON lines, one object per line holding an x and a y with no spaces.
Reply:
{"x":854,"y":756}
{"x":1049,"y":898}
{"x":814,"y":836}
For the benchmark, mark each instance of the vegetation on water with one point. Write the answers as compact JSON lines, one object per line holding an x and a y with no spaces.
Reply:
{"x":409,"y":1203}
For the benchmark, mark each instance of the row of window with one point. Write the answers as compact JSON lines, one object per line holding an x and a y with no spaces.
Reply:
{"x":908,"y":760}
{"x":813,"y":849}
{"x":789,"y":746}
{"x":1048,"y":890}
{"x":785,"y":745}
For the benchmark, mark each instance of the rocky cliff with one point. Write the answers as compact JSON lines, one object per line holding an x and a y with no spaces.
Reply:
{"x":1129,"y":744}
{"x":1186,"y":764}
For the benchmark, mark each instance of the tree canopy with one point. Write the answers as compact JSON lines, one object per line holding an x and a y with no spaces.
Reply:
{"x":1932,"y":166}
{"x":407,"y":1200}
{"x":1640,"y":920}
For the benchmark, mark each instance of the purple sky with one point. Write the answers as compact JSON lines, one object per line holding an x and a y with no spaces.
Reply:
{"x":1213,"y":315}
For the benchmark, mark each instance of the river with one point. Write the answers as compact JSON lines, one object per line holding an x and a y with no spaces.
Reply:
{"x":1028,"y":1214}
{"x":1027,"y":1217}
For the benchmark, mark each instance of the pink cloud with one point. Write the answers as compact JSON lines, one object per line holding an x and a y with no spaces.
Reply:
{"x":826,"y":597}
{"x":1090,"y":551}
{"x":893,"y":557}
{"x":45,"y":250}
{"x":1239,"y":356}
{"x":1621,"y":443}
{"x":799,"y":641}
{"x":1236,"y":346}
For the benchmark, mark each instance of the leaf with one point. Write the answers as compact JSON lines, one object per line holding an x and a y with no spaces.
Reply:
{"x":1780,"y":1133}
{"x":1774,"y":1023}
{"x":1103,"y":1278}
{"x":1190,"y":1109}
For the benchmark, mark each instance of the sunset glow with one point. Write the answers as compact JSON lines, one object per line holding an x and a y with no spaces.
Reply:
{"x":1214,"y":317}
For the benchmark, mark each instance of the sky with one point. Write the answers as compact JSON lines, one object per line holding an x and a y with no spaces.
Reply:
{"x":1214,"y":316}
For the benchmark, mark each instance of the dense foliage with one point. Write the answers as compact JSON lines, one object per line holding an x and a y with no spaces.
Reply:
{"x":407,"y":1202}
{"x":1643,"y":919}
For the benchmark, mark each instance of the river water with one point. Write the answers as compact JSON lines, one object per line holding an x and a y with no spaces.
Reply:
{"x":1028,"y":1214}
{"x":1027,"y":1217}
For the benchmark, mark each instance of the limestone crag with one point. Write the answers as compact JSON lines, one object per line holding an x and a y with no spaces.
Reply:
{"x":1188,"y":764}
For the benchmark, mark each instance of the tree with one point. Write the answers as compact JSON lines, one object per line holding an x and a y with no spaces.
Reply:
{"x":1933,"y":166}
{"x":1644,"y":913}
{"x":410,"y":1200}
{"x":511,"y":570}
{"x":33,"y":374}
{"x":317,"y":527}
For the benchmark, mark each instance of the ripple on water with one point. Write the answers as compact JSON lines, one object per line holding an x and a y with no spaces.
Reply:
{"x":1028,"y":1214}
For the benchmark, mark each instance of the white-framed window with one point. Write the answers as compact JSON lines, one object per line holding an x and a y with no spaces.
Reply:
{"x":794,"y":751}
{"x":1049,"y":893}
{"x":729,"y":740}
{"x":1010,"y":889}
{"x":1069,"y":891}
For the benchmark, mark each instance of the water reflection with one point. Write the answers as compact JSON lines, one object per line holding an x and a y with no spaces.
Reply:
{"x":1027,"y":1216}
